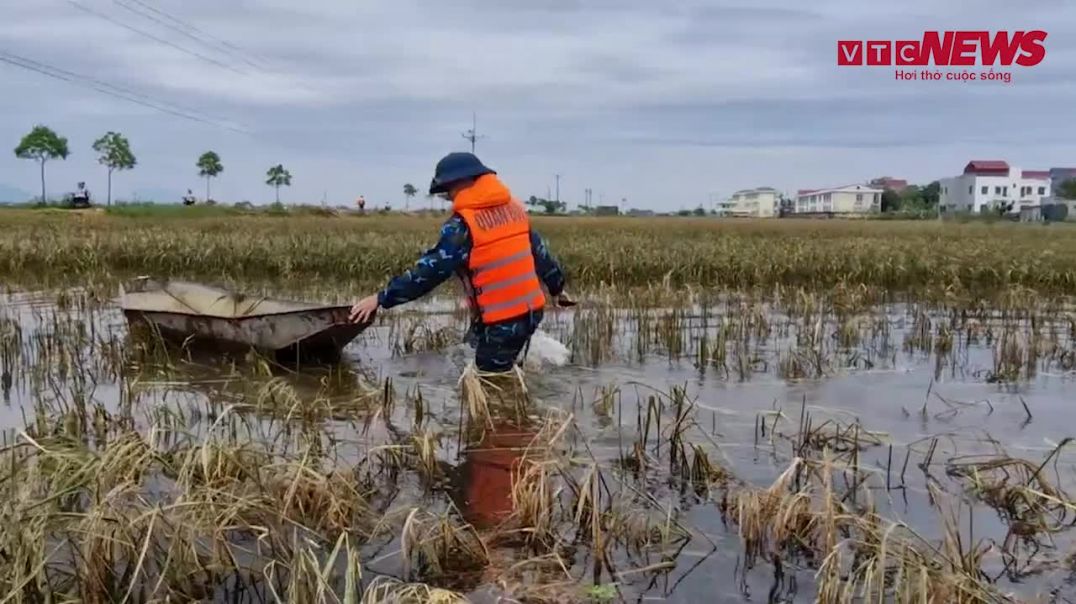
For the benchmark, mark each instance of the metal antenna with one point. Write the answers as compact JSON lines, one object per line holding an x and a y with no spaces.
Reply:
{"x":472,"y":134}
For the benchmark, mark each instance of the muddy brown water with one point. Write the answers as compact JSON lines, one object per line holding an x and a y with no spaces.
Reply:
{"x":901,"y":391}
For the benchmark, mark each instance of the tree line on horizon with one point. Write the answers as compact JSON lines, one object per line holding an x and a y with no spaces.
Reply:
{"x":42,"y":144}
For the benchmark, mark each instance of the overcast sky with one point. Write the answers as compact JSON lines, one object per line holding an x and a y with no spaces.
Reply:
{"x":664,"y":103}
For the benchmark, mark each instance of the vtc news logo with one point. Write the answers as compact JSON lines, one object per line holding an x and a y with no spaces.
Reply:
{"x":949,"y":48}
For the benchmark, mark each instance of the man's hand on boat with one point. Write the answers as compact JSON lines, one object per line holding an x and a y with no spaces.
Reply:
{"x":364,"y":310}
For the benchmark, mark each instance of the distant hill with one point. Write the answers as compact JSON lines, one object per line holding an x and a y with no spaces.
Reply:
{"x":9,"y":194}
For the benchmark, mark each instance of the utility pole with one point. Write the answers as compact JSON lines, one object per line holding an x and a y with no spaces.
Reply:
{"x":558,"y":187}
{"x":472,"y":134}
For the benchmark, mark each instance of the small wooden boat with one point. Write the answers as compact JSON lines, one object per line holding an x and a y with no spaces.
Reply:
{"x":194,"y":313}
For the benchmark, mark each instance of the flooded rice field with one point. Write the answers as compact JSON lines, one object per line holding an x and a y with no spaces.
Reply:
{"x":740,"y":449}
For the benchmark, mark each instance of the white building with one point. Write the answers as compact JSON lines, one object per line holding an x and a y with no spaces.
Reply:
{"x":987,"y":185}
{"x":762,"y":202}
{"x":850,"y":199}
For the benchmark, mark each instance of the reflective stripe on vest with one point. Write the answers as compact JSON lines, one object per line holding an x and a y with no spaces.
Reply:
{"x":531,"y":301}
{"x":509,"y":283}
{"x":477,"y":270}
{"x":502,"y":276}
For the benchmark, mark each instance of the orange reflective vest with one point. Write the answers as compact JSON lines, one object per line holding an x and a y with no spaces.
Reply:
{"x":500,"y":279}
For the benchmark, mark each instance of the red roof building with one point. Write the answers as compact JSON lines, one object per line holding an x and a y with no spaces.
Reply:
{"x":994,"y":185}
{"x":888,"y":182}
{"x":987,"y":167}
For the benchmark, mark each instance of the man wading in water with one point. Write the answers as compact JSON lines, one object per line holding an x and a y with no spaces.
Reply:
{"x":488,"y":243}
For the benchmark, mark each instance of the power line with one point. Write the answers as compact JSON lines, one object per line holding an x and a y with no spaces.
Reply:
{"x":119,"y":95}
{"x":157,"y":39}
{"x":199,"y":31}
{"x":183,"y":29}
{"x":68,"y":75}
{"x":96,"y":84}
{"x":167,"y":25}
{"x":109,"y":89}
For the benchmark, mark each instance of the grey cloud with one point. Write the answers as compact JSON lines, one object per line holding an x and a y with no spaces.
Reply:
{"x":755,"y":17}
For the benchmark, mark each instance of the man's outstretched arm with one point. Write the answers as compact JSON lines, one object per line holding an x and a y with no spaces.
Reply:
{"x":432,"y":269}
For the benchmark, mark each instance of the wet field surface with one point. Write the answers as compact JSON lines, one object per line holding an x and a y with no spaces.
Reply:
{"x":713,"y":451}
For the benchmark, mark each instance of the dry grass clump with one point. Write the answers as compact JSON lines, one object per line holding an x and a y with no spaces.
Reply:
{"x":774,"y":520}
{"x":1020,"y":491}
{"x":125,"y":517}
{"x":535,"y":493}
{"x":388,"y":590}
{"x":323,"y":502}
{"x":859,"y":555}
{"x":440,"y":546}
{"x":486,"y":396}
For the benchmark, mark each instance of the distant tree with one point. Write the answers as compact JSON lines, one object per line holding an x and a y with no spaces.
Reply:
{"x":1067,"y":189}
{"x":409,"y":191}
{"x":550,"y":206}
{"x":42,"y":144}
{"x":115,"y":154}
{"x":209,"y":166}
{"x":785,"y":205}
{"x":429,"y":198}
{"x":910,"y":198}
{"x":699,"y":211}
{"x":891,"y":201}
{"x":278,"y":177}
{"x":931,"y":194}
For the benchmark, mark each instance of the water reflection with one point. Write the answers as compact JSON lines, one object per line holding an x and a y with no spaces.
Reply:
{"x":485,"y":476}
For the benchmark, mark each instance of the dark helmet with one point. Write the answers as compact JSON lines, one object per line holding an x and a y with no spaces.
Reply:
{"x":456,"y":166}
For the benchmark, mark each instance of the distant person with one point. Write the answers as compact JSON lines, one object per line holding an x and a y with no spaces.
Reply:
{"x":82,"y":195}
{"x":189,"y":198}
{"x":489,"y":245}
{"x":361,"y":202}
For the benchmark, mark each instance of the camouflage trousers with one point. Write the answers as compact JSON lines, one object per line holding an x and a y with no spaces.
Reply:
{"x":498,"y":346}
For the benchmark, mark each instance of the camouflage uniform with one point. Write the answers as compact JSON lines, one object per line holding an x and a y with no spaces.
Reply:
{"x":497,"y":346}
